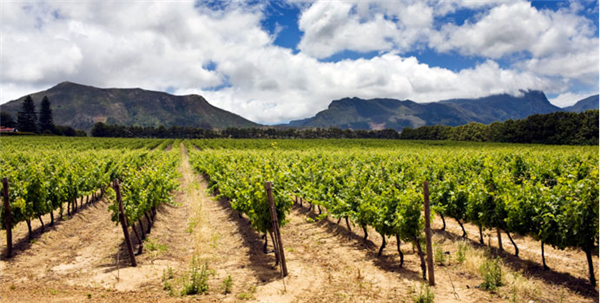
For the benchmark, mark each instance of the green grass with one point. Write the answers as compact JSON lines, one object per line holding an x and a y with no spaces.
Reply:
{"x":191,"y":225}
{"x":247,"y":295}
{"x":440,"y":257}
{"x":227,"y":285}
{"x":167,"y":276}
{"x":196,"y":281}
{"x":424,"y":294}
{"x":461,"y":253}
{"x":154,"y":246}
{"x":491,"y":272}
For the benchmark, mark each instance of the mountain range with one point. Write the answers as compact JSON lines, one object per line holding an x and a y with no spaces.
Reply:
{"x":81,"y":106}
{"x":590,"y":102}
{"x":358,"y":113}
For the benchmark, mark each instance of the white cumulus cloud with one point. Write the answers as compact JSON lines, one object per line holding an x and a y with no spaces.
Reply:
{"x":225,"y":54}
{"x":333,"y":26}
{"x":517,"y":27}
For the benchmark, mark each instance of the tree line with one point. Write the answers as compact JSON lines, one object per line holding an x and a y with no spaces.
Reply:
{"x":555,"y":128}
{"x":28,"y":121}
{"x":104,"y":130}
{"x":564,"y":128}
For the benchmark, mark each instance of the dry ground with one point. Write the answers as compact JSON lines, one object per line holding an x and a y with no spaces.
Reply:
{"x":83,"y":259}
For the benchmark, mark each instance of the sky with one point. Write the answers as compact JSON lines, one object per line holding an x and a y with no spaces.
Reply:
{"x":276,"y":61}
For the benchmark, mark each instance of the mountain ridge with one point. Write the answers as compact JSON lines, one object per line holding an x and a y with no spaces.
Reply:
{"x":81,"y":106}
{"x":590,"y":102}
{"x":378,"y":113}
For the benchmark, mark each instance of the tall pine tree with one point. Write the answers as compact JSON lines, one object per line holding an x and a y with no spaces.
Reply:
{"x":27,"y":118}
{"x":46,"y":120}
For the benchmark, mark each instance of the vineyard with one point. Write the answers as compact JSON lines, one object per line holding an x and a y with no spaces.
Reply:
{"x":551,"y":196}
{"x":369,"y":191}
{"x":45,"y":174}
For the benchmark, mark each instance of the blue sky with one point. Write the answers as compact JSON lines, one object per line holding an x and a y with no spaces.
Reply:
{"x":282,"y":20}
{"x":275,"y":61}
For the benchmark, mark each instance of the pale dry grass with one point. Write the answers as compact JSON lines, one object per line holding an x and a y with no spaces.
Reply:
{"x":523,"y":287}
{"x":515,"y":285}
{"x":198,"y":225}
{"x":473,"y":258}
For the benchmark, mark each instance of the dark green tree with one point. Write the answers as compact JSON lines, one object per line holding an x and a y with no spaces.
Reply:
{"x":46,"y":121}
{"x":7,"y":120}
{"x":65,"y":130}
{"x":100,"y":130}
{"x":80,"y":133}
{"x":27,"y":118}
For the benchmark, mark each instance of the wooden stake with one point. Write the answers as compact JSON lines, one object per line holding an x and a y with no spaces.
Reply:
{"x":124,"y":223}
{"x":499,"y":235}
{"x":277,"y":234}
{"x":428,"y":235}
{"x":8,"y":219}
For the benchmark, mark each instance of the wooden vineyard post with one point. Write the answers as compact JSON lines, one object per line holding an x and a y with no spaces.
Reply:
{"x":124,"y":223}
{"x":499,"y":235}
{"x":8,"y":219}
{"x":428,"y":235}
{"x":279,"y":244}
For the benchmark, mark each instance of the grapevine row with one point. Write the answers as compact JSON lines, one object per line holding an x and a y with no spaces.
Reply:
{"x":45,"y":173}
{"x":551,"y":196}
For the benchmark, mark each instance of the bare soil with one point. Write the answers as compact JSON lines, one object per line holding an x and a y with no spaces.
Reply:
{"x":83,"y":259}
{"x":567,"y":267}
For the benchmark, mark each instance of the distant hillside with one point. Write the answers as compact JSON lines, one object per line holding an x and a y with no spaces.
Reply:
{"x":81,"y":106}
{"x":582,"y":105}
{"x":356,"y":113}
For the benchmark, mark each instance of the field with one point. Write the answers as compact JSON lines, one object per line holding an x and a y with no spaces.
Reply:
{"x":351,"y":216}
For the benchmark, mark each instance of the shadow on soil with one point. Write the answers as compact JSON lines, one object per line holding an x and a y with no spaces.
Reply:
{"x":391,"y":263}
{"x":262,"y":264}
{"x":121,"y":258}
{"x":530,"y":268}
{"x":387,"y":262}
{"x":21,"y":241}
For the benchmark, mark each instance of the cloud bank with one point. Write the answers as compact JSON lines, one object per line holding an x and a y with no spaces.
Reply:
{"x":224,"y":53}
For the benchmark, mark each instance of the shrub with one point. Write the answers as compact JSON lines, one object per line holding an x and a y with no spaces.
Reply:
{"x":227,"y":284}
{"x":440,"y":256}
{"x":197,"y":279}
{"x":424,"y":295}
{"x":491,"y":271}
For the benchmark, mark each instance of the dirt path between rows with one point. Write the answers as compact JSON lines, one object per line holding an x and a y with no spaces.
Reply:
{"x":84,"y":257}
{"x":567,"y":267}
{"x":71,"y":253}
{"x":567,"y":279}
{"x":76,"y":261}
